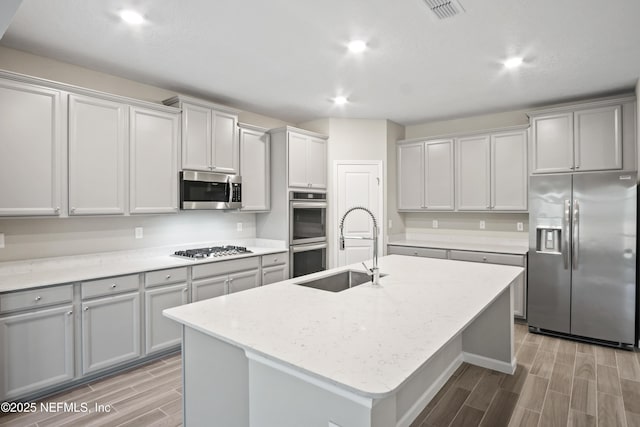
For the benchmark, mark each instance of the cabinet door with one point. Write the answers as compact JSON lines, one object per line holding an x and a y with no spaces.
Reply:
{"x":509,"y":171}
{"x":153,"y":161}
{"x":36,"y":351}
{"x":209,"y":288}
{"x":438,"y":175}
{"x":519,"y":298}
{"x":297,"y":147}
{"x":110,"y":331}
{"x":598,"y":139}
{"x":410,"y":158}
{"x":97,"y":141}
{"x":473,"y":173}
{"x":196,"y":137}
{"x":552,"y":145}
{"x":225,"y":143}
{"x":242,"y":281}
{"x":254,"y":169}
{"x":276,"y":273}
{"x":316,"y":163}
{"x":162,"y":332}
{"x":30,"y":150}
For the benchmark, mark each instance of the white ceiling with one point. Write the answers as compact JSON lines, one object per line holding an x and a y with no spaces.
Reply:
{"x":287,"y":58}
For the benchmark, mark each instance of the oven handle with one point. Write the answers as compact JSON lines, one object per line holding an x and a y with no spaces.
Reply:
{"x":305,"y":248}
{"x":308,"y":205}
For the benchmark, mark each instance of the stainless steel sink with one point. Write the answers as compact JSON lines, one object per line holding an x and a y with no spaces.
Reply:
{"x":339,"y":281}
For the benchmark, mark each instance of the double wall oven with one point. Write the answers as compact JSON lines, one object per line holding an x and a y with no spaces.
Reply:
{"x":307,"y":232}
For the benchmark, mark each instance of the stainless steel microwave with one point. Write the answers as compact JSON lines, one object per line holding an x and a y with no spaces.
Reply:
{"x":207,"y":190}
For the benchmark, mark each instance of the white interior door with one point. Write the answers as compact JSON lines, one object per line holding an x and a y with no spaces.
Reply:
{"x":358,"y":184}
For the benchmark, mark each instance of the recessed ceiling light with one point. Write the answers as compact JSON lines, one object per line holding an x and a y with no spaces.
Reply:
{"x":513,"y":62}
{"x":131,"y":17}
{"x":340,"y":100}
{"x":357,"y":46}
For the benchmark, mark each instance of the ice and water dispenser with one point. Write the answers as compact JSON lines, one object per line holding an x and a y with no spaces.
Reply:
{"x":549,"y":240}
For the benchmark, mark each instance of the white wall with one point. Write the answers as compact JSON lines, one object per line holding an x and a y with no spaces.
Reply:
{"x":28,"y":238}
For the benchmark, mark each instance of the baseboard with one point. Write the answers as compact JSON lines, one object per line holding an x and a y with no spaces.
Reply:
{"x":426,"y":397}
{"x":485,"y":362}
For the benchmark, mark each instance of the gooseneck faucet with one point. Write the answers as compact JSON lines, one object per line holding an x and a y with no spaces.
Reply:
{"x":374,"y":271}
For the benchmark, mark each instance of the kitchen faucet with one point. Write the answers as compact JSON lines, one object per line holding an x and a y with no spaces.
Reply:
{"x":373,"y":271}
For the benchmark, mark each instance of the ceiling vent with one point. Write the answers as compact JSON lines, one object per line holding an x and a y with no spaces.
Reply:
{"x":445,"y":8}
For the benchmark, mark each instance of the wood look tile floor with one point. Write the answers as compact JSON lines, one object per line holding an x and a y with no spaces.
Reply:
{"x":557,"y":383}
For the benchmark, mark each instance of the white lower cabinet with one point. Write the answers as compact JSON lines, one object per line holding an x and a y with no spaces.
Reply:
{"x":110,"y":331}
{"x":162,"y":332}
{"x":243,"y":281}
{"x":36,"y":351}
{"x":209,"y":288}
{"x":273,"y":274}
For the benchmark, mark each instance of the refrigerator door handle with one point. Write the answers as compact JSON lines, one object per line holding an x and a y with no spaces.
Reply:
{"x":566,"y":222}
{"x":576,"y":235}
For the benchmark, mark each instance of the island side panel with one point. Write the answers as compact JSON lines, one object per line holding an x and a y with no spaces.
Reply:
{"x":488,"y":340}
{"x":278,"y":398}
{"x":216,"y":382}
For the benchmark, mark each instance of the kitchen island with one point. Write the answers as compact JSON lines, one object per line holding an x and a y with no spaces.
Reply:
{"x":289,"y":355}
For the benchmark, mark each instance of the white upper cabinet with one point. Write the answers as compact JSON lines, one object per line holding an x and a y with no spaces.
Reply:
{"x":598,"y":137}
{"x":97,"y":141}
{"x":587,"y":137}
{"x":509,"y":171}
{"x":153,"y":159}
{"x":426,"y":177}
{"x":209,"y":135}
{"x":254,"y":168}
{"x":410,"y":159}
{"x":473,"y":169}
{"x":307,"y":159}
{"x":30,"y":149}
{"x":438,"y":175}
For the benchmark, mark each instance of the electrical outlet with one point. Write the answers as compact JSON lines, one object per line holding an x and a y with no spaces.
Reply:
{"x":520,"y":226}
{"x":1,"y":240}
{"x":239,"y":226}
{"x":482,"y":224}
{"x":390,"y":224}
{"x":434,"y":223}
{"x":139,"y":233}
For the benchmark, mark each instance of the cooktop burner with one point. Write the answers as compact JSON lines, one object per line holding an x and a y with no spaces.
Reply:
{"x":212,"y":252}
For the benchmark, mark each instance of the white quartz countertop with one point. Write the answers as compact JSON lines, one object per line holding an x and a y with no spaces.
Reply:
{"x":22,"y":275}
{"x":471,"y":243}
{"x":367,"y":339}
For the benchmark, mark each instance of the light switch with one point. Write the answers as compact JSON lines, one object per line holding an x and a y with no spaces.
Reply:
{"x":1,"y":240}
{"x":482,"y":224}
{"x":139,"y":232}
{"x":520,"y":226}
{"x":434,"y":223}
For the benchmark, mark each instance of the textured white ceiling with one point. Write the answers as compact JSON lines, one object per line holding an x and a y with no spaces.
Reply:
{"x":287,"y":58}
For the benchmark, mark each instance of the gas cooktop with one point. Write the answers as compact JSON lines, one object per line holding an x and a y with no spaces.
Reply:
{"x":212,"y":252}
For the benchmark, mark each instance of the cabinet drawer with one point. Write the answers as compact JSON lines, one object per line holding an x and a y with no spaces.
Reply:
{"x":35,"y":298}
{"x":415,"y":251}
{"x":274,"y":259}
{"x":490,"y":258}
{"x":109,"y":286}
{"x":165,"y":277}
{"x":224,"y":267}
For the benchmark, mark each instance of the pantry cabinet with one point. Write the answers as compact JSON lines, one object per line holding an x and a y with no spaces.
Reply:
{"x":209,"y":135}
{"x":32,"y":120}
{"x":255,"y":148}
{"x":591,"y":136}
{"x":153,"y":159}
{"x":97,"y":143}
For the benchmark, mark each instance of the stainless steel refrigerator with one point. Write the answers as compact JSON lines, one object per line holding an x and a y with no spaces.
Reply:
{"x":582,"y":255}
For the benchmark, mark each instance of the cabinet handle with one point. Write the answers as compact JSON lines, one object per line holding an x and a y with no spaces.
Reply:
{"x":168,"y":276}
{"x":57,"y":209}
{"x":86,"y":308}
{"x":231,"y":279}
{"x":415,"y":253}
{"x":72,"y":210}
{"x":184,"y":290}
{"x":38,"y":298}
{"x":484,"y":258}
{"x":275,"y":260}
{"x":69,"y":313}
{"x":113,"y":286}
